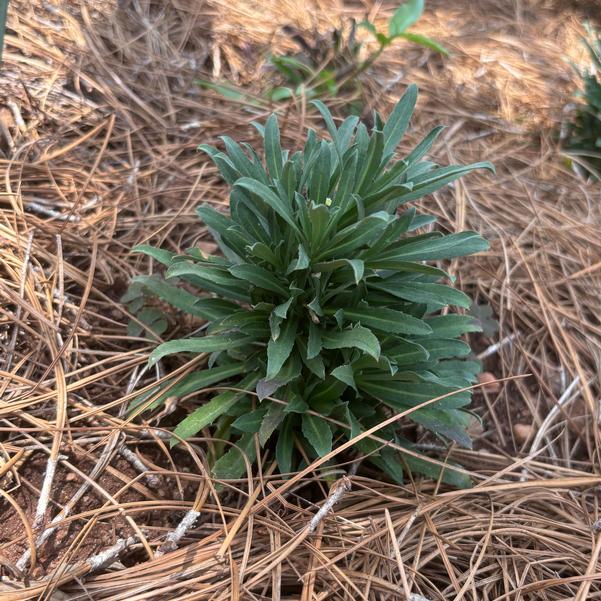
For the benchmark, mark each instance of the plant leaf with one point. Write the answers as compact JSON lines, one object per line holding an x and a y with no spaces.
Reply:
{"x":357,"y":337}
{"x":345,"y":374}
{"x":232,"y":464}
{"x":205,"y":344}
{"x":397,"y":123}
{"x":405,"y":16}
{"x":279,"y":350}
{"x":317,"y":431}
{"x":425,"y":41}
{"x":285,"y":446}
{"x":387,"y":320}
{"x":273,"y":150}
{"x":259,"y":277}
{"x":209,"y":412}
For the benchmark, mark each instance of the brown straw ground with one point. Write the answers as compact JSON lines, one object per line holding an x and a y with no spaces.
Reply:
{"x":99,"y":119}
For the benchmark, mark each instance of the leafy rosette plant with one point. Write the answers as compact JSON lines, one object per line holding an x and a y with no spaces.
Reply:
{"x":324,"y":303}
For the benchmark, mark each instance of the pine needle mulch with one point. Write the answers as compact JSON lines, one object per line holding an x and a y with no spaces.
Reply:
{"x":99,"y":119}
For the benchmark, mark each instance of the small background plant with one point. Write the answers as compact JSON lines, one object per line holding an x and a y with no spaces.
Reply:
{"x":323,"y":300}
{"x":584,"y":136}
{"x":330,"y":64}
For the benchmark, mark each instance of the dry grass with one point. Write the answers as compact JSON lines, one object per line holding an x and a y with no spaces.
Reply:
{"x":99,"y":121}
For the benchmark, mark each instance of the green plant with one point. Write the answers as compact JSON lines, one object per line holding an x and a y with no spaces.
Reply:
{"x":584,"y":141}
{"x":328,"y":63}
{"x":323,"y":300}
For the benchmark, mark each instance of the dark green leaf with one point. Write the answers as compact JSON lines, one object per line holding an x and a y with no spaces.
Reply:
{"x":274,"y":417}
{"x":387,"y":320}
{"x":273,"y":150}
{"x":259,"y":277}
{"x":357,"y":337}
{"x":232,"y":464}
{"x":317,"y":431}
{"x":205,"y":344}
{"x":451,"y":326}
{"x":209,"y":412}
{"x":345,"y":374}
{"x":285,"y":446}
{"x":279,"y":350}
{"x":397,"y":123}
{"x":162,"y":256}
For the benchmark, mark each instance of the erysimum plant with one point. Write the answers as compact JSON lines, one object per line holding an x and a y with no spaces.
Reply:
{"x":324,"y":305}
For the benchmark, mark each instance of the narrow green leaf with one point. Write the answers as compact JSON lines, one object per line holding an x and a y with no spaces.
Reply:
{"x":400,"y":394}
{"x":443,"y":247}
{"x":451,"y":326}
{"x":262,"y":251}
{"x":437,"y":178}
{"x":451,"y":423}
{"x":232,"y":464}
{"x":420,"y":292}
{"x":397,"y":123}
{"x":270,"y":199}
{"x":177,"y":297}
{"x":314,"y":343}
{"x":357,"y":337}
{"x":424,"y":40}
{"x":209,"y":412}
{"x":357,"y":266}
{"x":204,"y":272}
{"x":285,"y":446}
{"x":317,"y":431}
{"x":273,"y":418}
{"x":387,"y":320}
{"x":290,"y":371}
{"x":250,"y":422}
{"x":301,"y":262}
{"x":162,"y":256}
{"x":273,"y":150}
{"x":205,"y":344}
{"x":345,"y":374}
{"x":279,"y":350}
{"x":259,"y":277}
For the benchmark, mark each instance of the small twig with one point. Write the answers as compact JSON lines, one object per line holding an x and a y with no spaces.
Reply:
{"x":108,"y":556}
{"x":36,"y":207}
{"x":494,"y":348}
{"x":339,"y":489}
{"x":139,"y":466}
{"x":173,"y":538}
{"x":44,"y":498}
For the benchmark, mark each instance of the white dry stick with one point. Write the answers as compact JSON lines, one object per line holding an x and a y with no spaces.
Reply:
{"x":339,"y":489}
{"x":565,"y":398}
{"x":44,"y":498}
{"x":108,"y":556}
{"x":16,"y":111}
{"x":494,"y":348}
{"x":139,"y":466}
{"x":173,"y":538}
{"x":40,"y":209}
{"x":101,"y":464}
